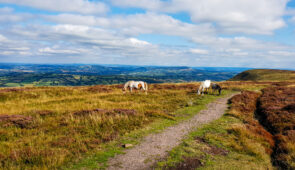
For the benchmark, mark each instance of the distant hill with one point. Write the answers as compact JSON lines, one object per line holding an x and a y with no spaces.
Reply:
{"x":264,"y":75}
{"x":12,"y":75}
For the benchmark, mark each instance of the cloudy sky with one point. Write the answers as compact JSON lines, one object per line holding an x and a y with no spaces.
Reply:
{"x":227,"y":33}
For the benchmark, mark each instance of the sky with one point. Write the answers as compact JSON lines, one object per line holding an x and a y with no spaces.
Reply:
{"x":199,"y":33}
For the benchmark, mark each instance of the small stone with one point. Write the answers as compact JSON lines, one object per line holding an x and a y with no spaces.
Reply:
{"x":127,"y":145}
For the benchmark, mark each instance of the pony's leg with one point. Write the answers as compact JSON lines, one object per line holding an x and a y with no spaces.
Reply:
{"x":201,"y":89}
{"x":145,"y":88}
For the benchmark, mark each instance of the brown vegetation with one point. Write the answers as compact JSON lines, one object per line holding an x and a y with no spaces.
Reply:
{"x":188,"y":86}
{"x":188,"y":163}
{"x":211,"y":149}
{"x":105,"y":111}
{"x":243,"y":107}
{"x":17,"y":120}
{"x":277,"y":111}
{"x":44,"y":112}
{"x":100,"y":89}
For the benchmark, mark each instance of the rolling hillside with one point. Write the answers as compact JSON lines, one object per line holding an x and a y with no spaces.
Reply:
{"x":15,"y":75}
{"x":59,"y":125}
{"x":82,"y":127}
{"x":264,"y":75}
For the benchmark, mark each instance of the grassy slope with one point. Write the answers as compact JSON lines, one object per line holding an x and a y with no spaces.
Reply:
{"x":265,"y":75}
{"x":236,"y":141}
{"x":63,"y":127}
{"x":99,"y":159}
{"x":46,"y":127}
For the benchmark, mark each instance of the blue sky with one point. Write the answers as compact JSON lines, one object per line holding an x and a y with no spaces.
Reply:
{"x":208,"y":33}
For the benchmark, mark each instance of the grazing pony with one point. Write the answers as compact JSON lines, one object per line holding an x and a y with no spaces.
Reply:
{"x":216,"y":87}
{"x":140,"y":85}
{"x":204,"y":86}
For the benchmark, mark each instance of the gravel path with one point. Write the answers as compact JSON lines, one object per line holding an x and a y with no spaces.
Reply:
{"x":156,"y":146}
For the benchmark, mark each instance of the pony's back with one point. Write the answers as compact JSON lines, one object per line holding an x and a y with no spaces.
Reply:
{"x":207,"y":83}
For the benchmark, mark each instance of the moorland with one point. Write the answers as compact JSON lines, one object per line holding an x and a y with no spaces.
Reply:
{"x":80,"y":127}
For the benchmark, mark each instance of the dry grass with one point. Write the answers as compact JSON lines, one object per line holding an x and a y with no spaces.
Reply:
{"x":251,"y":134}
{"x":45,"y":127}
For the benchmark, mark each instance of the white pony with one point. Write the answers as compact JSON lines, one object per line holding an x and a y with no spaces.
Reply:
{"x":135,"y":84}
{"x":205,"y":85}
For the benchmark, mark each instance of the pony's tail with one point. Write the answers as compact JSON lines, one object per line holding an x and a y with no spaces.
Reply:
{"x":146,"y":87}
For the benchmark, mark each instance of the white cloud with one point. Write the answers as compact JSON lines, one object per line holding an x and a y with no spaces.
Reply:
{"x":79,"y":6}
{"x":232,"y":16}
{"x":137,"y":42}
{"x":199,"y":51}
{"x":133,"y":25}
{"x":80,"y":35}
{"x":146,"y":4}
{"x":2,"y":38}
{"x":48,"y":50}
{"x":73,"y":19}
{"x":233,"y":50}
{"x":6,"y":10}
{"x":282,"y":53}
{"x":7,"y":16}
{"x":290,"y":11}
{"x":88,"y":44}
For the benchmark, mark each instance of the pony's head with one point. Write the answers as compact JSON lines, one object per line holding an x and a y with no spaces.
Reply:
{"x":124,"y":88}
{"x":219,"y":90}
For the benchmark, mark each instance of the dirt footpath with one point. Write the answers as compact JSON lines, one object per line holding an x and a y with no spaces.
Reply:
{"x":156,"y":146}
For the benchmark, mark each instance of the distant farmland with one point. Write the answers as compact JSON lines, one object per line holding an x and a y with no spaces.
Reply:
{"x":16,"y":75}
